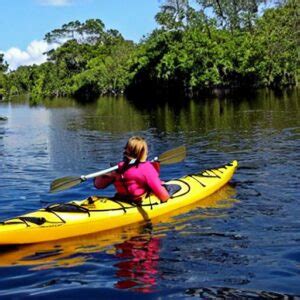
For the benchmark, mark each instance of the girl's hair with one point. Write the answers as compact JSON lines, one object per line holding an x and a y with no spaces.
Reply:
{"x":136,"y":148}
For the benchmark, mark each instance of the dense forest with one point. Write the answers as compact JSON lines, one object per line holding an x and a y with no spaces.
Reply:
{"x":210,"y":44}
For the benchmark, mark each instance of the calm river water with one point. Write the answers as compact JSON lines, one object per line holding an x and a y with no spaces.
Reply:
{"x":244,"y":241}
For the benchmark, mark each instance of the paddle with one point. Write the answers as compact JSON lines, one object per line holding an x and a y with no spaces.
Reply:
{"x":169,"y":157}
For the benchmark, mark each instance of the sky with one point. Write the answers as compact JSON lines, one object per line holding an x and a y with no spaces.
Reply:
{"x":24,"y":23}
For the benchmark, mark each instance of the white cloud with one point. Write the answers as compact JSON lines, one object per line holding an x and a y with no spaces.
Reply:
{"x":34,"y":54}
{"x":56,"y":2}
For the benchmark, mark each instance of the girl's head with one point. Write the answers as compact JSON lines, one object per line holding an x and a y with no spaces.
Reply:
{"x":136,"y":148}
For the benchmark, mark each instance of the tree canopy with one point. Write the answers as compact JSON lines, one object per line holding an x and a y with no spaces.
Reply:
{"x":212,"y":43}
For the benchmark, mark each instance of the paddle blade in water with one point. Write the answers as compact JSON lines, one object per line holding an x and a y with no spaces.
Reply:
{"x":64,"y":183}
{"x":173,"y":156}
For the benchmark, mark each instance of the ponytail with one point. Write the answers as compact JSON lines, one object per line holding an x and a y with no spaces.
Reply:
{"x":136,"y":148}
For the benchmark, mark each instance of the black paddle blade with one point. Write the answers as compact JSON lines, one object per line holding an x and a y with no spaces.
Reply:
{"x":64,"y":183}
{"x":173,"y":156}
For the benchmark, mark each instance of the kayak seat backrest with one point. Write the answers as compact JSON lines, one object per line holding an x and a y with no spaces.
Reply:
{"x":172,"y":188}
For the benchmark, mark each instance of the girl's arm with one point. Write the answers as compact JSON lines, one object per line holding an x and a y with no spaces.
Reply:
{"x":154,"y":183}
{"x":101,"y":182}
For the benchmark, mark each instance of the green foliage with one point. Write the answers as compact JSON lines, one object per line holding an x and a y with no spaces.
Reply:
{"x":3,"y":68}
{"x":2,"y":86}
{"x":277,"y":36}
{"x":253,"y":52}
{"x":106,"y":73}
{"x":78,"y":68}
{"x":191,"y":51}
{"x":174,"y":14}
{"x":233,"y":14}
{"x":3,"y":64}
{"x":89,"y":32}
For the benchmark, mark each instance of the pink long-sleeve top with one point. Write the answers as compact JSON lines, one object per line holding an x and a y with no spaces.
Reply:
{"x":134,"y":181}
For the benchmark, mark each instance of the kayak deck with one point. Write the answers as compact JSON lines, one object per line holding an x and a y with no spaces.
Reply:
{"x":97,"y":213}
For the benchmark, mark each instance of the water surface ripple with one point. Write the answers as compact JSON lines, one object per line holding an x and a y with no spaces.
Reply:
{"x":242,"y":242}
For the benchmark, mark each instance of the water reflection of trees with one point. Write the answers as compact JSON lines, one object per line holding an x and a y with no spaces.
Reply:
{"x":121,"y":115}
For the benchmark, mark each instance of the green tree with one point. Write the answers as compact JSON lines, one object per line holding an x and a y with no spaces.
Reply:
{"x":20,"y":81}
{"x":174,"y":14}
{"x":233,"y":14}
{"x":90,"y":32}
{"x":277,"y":45}
{"x":189,"y":52}
{"x":3,"y":64}
{"x":107,"y":72}
{"x":3,"y":68}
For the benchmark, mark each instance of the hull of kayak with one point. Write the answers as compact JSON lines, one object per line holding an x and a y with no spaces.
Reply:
{"x":95,"y":214}
{"x":74,"y":251}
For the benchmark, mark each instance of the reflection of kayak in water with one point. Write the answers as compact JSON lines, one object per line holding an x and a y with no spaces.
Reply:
{"x":96,"y":214}
{"x":75,"y":251}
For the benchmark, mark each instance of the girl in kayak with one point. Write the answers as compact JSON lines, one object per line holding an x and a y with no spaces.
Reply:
{"x":132,"y":181}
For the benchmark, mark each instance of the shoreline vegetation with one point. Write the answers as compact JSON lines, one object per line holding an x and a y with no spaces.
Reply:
{"x":211,"y":46}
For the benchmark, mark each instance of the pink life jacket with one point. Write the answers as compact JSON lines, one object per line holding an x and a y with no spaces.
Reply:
{"x":134,"y":181}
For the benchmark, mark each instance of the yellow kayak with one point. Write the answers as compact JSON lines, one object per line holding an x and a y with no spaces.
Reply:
{"x":96,"y":213}
{"x":76,"y":251}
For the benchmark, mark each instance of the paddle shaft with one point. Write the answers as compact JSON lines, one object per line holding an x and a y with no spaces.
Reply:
{"x":169,"y":157}
{"x":103,"y":172}
{"x":96,"y":174}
